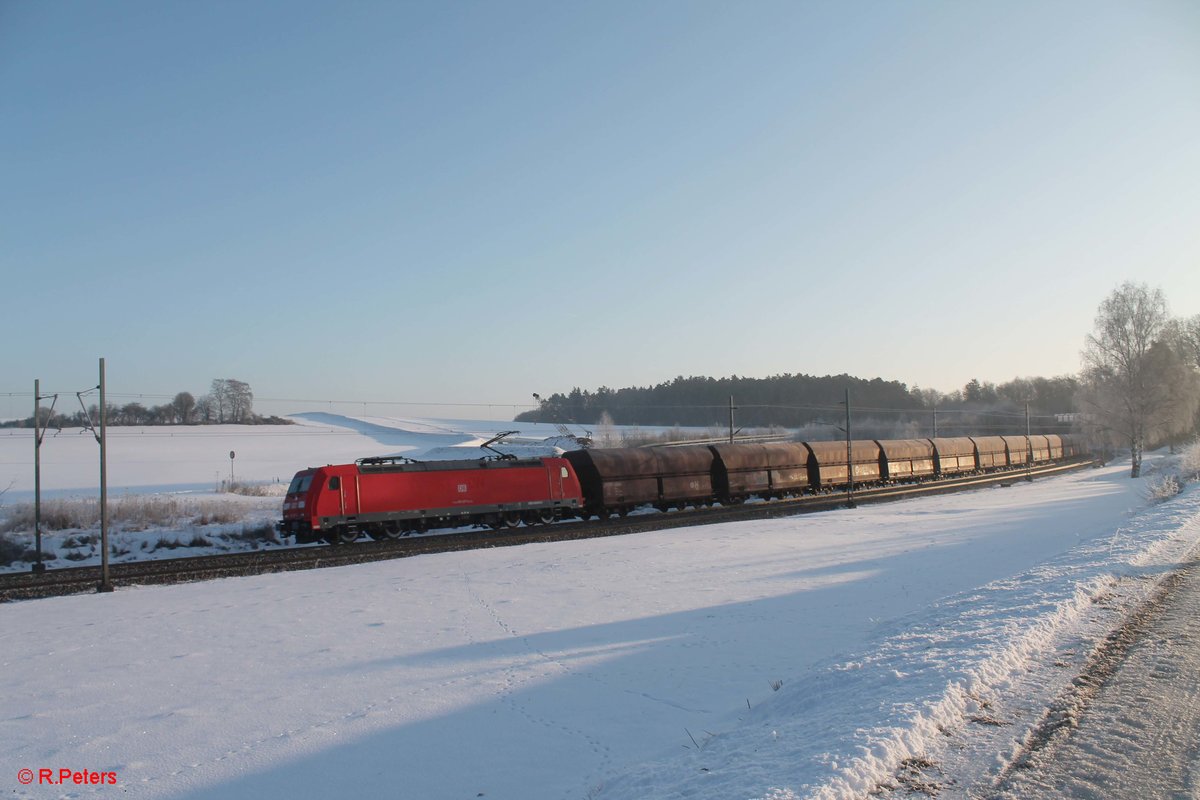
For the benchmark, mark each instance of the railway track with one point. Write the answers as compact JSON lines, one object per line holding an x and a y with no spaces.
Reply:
{"x":77,"y":580}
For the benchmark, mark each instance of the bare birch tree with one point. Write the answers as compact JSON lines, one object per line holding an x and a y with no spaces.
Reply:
{"x":1125,"y":388}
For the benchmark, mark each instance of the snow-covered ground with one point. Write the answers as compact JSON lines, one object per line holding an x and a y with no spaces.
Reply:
{"x":1136,"y":737}
{"x":818,"y":656}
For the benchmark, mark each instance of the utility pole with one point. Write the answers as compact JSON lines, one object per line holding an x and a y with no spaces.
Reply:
{"x":849,"y":458}
{"x":731,"y":408}
{"x":105,"y":583}
{"x":1028,"y":446}
{"x":37,"y":477}
{"x":39,"y":435}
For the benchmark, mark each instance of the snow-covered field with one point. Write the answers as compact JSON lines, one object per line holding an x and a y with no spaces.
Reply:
{"x":196,"y":459}
{"x":818,"y":656}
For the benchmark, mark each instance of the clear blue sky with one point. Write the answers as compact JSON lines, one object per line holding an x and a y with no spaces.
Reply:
{"x":471,"y":202}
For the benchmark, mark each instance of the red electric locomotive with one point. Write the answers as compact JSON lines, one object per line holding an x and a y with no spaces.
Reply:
{"x":390,"y":497}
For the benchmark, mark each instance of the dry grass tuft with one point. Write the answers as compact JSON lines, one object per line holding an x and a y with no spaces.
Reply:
{"x":133,"y":513}
{"x":254,"y":489}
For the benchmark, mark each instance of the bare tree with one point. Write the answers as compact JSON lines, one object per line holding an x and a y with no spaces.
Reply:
{"x":1184,"y":338}
{"x":132,"y":414}
{"x":232,"y":400}
{"x":1123,"y":387}
{"x":205,"y":409}
{"x":160,"y":415}
{"x":1179,"y":388}
{"x":219,"y":395}
{"x":928,"y":398}
{"x":184,"y":406}
{"x":240,"y":400}
{"x":606,"y":431}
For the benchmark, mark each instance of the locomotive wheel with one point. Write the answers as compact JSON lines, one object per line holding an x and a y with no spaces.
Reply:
{"x":389,"y":530}
{"x":511,"y":519}
{"x":546,"y":516}
{"x":346,"y":535}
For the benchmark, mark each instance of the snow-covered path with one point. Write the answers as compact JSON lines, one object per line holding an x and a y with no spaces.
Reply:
{"x":793,"y":657}
{"x":1140,"y":736}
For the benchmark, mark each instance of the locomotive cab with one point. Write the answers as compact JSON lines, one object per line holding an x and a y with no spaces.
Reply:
{"x":300,"y":503}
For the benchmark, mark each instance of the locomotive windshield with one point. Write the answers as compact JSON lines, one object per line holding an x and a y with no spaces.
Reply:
{"x":300,"y":484}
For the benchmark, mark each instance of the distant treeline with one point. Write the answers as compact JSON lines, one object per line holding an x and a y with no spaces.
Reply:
{"x":815,"y":404}
{"x":229,"y":401}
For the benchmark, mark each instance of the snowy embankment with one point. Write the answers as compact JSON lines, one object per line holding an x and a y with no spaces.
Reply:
{"x":944,"y":698}
{"x":1134,"y":733}
{"x":817,"y":656}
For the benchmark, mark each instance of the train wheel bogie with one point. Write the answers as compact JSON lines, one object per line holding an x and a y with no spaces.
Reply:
{"x":387,"y":531}
{"x":343,"y":534}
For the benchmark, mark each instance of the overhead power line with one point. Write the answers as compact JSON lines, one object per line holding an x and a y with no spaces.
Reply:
{"x":721,"y":406}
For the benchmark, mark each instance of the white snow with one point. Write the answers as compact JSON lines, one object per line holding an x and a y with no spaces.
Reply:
{"x":1136,"y":738}
{"x":802,"y":657}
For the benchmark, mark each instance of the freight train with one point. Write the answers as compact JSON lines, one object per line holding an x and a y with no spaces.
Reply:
{"x":390,"y":497}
